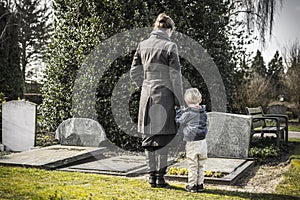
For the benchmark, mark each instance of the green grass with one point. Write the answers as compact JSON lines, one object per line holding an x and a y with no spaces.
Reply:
{"x":290,"y":184}
{"x":30,"y":183}
{"x":24,"y":183}
{"x":294,"y":128}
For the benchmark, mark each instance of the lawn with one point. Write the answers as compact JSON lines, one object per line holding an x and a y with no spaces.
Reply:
{"x":294,"y":128}
{"x":30,"y":183}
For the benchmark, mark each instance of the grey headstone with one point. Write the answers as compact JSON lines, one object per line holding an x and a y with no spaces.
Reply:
{"x":80,"y":132}
{"x":228,"y":135}
{"x":18,"y":125}
{"x":277,"y":109}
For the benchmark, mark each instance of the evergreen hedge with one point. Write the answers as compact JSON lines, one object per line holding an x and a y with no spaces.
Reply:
{"x":81,"y":26}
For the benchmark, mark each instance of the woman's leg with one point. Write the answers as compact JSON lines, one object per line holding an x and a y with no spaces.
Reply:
{"x":151,"y":164}
{"x":162,"y":164}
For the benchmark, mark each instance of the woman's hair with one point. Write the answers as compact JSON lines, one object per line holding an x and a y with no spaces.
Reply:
{"x":164,"y":21}
{"x":192,"y":96}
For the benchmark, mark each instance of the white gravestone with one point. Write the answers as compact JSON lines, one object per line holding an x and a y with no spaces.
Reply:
{"x":18,"y":125}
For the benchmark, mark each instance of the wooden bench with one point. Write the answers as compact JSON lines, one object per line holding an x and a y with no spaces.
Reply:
{"x":278,"y":125}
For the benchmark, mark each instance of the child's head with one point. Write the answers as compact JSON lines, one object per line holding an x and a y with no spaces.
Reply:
{"x":192,"y":96}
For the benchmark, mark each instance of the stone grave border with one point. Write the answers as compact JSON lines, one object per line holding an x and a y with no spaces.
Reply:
{"x":227,"y":179}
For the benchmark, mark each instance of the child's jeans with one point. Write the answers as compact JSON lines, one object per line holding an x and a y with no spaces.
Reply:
{"x":196,"y":154}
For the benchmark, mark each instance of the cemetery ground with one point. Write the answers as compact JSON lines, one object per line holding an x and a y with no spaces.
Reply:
{"x":276,"y":178}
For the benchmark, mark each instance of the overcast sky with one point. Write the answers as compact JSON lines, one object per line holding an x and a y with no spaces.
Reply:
{"x":285,"y":31}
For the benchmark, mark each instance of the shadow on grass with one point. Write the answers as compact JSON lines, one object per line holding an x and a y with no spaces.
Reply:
{"x":250,"y":195}
{"x":239,"y":194}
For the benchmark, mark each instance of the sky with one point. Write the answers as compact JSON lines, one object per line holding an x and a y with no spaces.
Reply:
{"x":286,"y":30}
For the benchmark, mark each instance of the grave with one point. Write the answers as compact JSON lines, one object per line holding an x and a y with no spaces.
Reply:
{"x":228,"y":145}
{"x":80,"y":140}
{"x":232,"y":169}
{"x":53,"y":157}
{"x":232,"y":161}
{"x":228,"y":142}
{"x":18,"y":125}
{"x":125,"y":165}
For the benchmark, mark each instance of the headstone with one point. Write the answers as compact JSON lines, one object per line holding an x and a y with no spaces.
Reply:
{"x":80,"y":132}
{"x":228,"y":135}
{"x":18,"y":125}
{"x":279,"y":109}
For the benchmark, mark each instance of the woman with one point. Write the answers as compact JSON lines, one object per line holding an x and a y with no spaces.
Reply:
{"x":156,"y":68}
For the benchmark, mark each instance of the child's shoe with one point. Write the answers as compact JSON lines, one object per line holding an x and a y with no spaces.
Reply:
{"x":191,"y":188}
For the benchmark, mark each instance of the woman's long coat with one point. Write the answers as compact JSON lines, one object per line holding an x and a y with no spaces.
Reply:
{"x":156,"y":68}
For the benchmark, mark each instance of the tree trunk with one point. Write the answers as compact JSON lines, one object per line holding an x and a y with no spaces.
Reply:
{"x":23,"y":64}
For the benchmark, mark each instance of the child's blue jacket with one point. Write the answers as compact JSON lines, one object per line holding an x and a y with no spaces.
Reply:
{"x":194,"y":123}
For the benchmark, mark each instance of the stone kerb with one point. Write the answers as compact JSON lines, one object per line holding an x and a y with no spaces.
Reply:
{"x":228,"y":135}
{"x":18,"y":125}
{"x":80,"y":132}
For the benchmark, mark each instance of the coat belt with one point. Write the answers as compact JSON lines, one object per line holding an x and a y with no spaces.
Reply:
{"x":157,"y":75}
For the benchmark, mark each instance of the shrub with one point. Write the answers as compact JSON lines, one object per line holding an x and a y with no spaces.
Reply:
{"x":262,"y":153}
{"x":253,"y":92}
{"x":81,"y":26}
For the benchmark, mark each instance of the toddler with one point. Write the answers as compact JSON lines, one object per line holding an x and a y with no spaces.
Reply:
{"x":194,"y":122}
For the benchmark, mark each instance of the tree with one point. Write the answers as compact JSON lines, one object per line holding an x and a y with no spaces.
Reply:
{"x":34,"y":31}
{"x":82,"y":24}
{"x":255,"y":87}
{"x":257,"y":14}
{"x":275,"y":73}
{"x":292,"y":54}
{"x":292,"y":78}
{"x":258,"y":66}
{"x":11,"y":83}
{"x":252,"y":93}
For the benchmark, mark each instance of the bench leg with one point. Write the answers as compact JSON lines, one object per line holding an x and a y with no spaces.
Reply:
{"x":286,"y":135}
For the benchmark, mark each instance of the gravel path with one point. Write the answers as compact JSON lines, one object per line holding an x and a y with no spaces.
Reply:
{"x":261,"y":179}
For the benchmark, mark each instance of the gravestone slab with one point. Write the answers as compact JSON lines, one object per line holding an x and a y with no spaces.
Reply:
{"x":18,"y":125}
{"x":125,"y":165}
{"x":80,"y":132}
{"x":232,"y":169}
{"x":53,"y":156}
{"x":228,"y":135}
{"x":133,"y":165}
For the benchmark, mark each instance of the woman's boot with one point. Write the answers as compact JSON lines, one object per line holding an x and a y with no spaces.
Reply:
{"x":152,"y":179}
{"x":161,"y":181}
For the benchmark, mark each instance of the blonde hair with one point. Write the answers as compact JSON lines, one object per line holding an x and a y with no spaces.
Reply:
{"x":192,"y":96}
{"x":164,"y":21}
